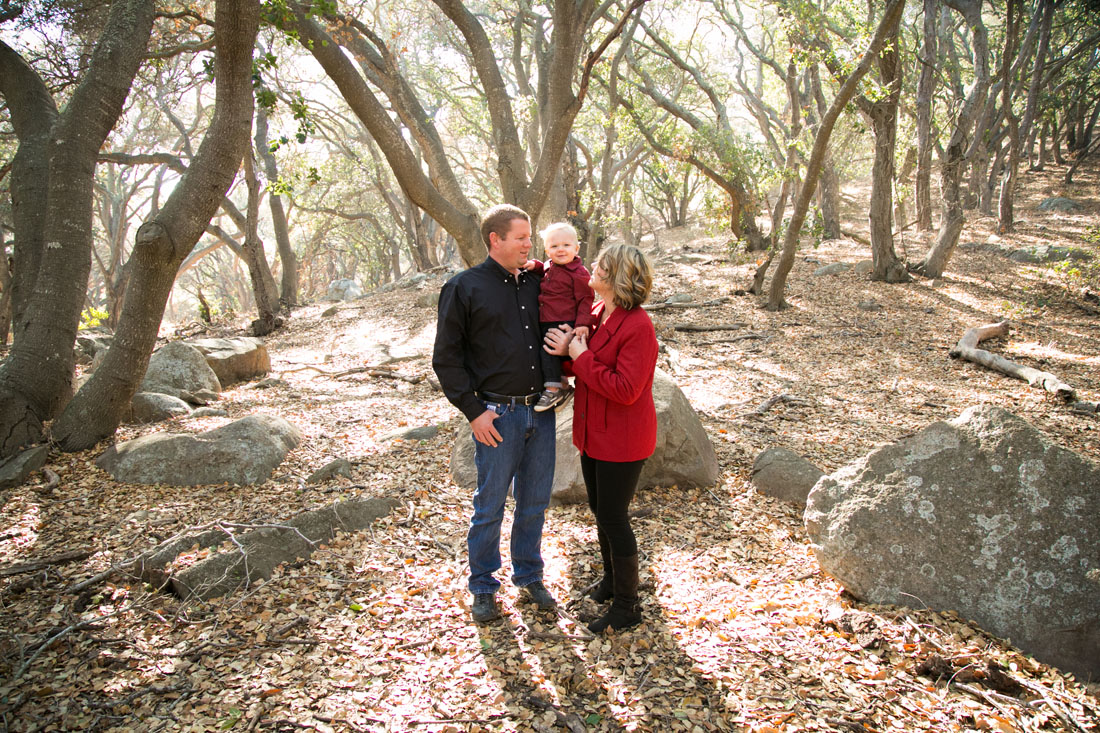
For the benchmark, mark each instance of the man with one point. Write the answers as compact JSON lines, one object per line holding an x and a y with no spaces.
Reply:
{"x":487,"y":359}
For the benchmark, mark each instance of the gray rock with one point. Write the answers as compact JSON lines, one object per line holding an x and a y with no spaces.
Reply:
{"x":835,"y":268}
{"x":1060,"y":203}
{"x":679,"y":298}
{"x":90,"y":344}
{"x":245,"y":451}
{"x":150,"y":407}
{"x":424,"y":432}
{"x":1041,"y":253}
{"x":177,"y":367}
{"x":684,"y":455}
{"x":235,"y":360}
{"x":210,"y":412}
{"x":270,"y":383}
{"x":201,"y":397}
{"x":338,"y":467}
{"x":869,"y":305}
{"x":16,"y":469}
{"x":984,"y":515}
{"x":785,"y":475}
{"x":429,"y":299}
{"x":346,"y":289}
{"x":257,"y":553}
{"x":863,"y":267}
{"x":329,"y":312}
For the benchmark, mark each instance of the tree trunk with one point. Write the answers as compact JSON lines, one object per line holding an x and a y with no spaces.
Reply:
{"x":952,"y":218}
{"x":36,"y":378}
{"x":5,"y":294}
{"x":925,"y":88}
{"x":288,"y":295}
{"x":884,"y":122}
{"x":1034,"y":91}
{"x":33,"y":114}
{"x":887,"y":27}
{"x":163,"y":242}
{"x":264,"y":292}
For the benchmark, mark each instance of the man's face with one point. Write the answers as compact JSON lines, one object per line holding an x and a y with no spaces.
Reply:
{"x":512,"y":249}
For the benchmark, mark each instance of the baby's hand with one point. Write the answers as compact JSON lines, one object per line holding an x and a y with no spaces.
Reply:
{"x":531,"y":264}
{"x":581,"y":331}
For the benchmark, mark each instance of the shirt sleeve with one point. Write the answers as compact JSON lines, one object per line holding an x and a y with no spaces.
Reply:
{"x":448,"y":358}
{"x":624,"y":379}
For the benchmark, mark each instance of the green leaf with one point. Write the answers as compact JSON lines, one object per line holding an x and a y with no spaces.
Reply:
{"x":593,"y":719}
{"x":357,"y":607}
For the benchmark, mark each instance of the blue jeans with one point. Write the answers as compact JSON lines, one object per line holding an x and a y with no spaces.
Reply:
{"x":524,"y":459}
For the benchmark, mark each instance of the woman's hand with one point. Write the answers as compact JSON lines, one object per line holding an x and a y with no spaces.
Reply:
{"x":578,"y":345}
{"x":557,"y":340}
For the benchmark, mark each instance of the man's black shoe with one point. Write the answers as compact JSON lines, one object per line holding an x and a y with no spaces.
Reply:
{"x":485,"y":608}
{"x":537,"y":592}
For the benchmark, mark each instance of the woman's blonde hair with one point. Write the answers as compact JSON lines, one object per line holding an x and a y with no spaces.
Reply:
{"x":629,"y":272}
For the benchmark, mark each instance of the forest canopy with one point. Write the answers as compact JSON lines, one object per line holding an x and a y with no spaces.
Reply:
{"x":168,"y":163}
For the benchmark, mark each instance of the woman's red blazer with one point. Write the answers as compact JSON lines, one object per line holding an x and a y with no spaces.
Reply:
{"x":613,"y":414}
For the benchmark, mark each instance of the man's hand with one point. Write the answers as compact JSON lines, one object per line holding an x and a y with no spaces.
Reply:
{"x":484,"y":430}
{"x":557,"y":340}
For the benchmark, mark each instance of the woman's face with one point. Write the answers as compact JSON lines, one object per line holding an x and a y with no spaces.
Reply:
{"x":598,"y":281}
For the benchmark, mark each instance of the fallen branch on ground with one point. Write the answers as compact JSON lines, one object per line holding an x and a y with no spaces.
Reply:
{"x":667,"y":306}
{"x":32,"y":567}
{"x":967,"y":349}
{"x":773,"y":401}
{"x":716,"y":327}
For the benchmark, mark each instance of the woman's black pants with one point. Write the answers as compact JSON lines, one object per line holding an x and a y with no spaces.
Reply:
{"x":611,"y":486}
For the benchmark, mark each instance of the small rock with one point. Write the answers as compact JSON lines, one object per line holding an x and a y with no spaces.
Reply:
{"x":329,"y":312}
{"x":338,"y":467}
{"x":835,"y":268}
{"x":869,"y":305}
{"x":18,"y":468}
{"x":425,"y":432}
{"x":210,"y":412}
{"x":679,"y":298}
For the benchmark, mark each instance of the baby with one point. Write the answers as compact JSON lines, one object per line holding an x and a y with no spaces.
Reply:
{"x":565,"y":297}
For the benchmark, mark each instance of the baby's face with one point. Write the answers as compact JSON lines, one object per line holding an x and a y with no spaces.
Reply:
{"x":561,"y":248}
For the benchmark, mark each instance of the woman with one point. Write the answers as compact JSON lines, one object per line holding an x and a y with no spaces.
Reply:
{"x":614,"y":420}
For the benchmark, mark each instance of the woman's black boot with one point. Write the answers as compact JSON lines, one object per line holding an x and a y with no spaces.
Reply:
{"x":606,"y":589}
{"x":625,"y":610}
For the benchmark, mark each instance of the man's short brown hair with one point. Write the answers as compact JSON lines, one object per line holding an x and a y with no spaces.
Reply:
{"x":499,"y":219}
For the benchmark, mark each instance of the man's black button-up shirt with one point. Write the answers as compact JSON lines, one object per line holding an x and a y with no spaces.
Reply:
{"x":487,"y":338}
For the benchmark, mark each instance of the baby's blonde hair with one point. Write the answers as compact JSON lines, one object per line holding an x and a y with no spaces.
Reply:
{"x":560,"y":226}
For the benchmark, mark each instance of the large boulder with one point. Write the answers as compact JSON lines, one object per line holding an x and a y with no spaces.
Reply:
{"x":983,"y":515}
{"x":684,"y":455}
{"x":345,"y":289}
{"x":178,"y":368}
{"x":235,"y":360}
{"x":785,"y":475}
{"x":245,"y":451}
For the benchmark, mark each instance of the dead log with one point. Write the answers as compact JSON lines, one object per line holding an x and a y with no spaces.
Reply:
{"x":967,"y":349}
{"x":717,"y":327}
{"x":33,"y":567}
{"x":667,"y":306}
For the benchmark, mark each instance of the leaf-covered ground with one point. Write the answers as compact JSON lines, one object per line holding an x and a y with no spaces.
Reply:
{"x":742,"y":631}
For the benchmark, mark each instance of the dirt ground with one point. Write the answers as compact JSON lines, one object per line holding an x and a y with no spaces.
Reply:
{"x":742,"y":631}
